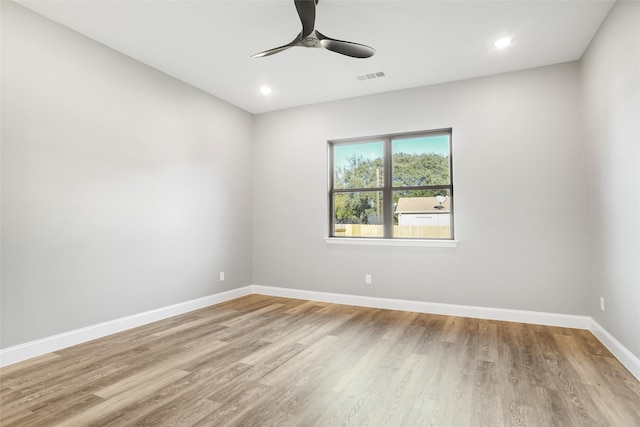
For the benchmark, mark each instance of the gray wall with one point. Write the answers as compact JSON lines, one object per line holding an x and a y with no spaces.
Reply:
{"x":611,"y":102}
{"x":519,"y":195}
{"x":123,"y":190}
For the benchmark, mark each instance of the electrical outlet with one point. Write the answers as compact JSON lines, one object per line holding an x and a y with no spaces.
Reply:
{"x":222,"y":276}
{"x":601,"y":304}
{"x":367,"y":279}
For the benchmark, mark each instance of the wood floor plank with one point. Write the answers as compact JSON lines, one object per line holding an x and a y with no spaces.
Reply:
{"x":63,"y":392}
{"x":57,"y":409}
{"x":94,"y":414}
{"x":182,"y":402}
{"x":157,"y":370}
{"x":269,"y":361}
{"x":408,"y":387}
{"x":230,"y":410}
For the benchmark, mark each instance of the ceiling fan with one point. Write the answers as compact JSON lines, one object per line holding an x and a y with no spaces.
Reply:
{"x":310,"y":37}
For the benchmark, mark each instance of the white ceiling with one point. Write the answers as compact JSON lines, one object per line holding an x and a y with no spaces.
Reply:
{"x":208,"y":44}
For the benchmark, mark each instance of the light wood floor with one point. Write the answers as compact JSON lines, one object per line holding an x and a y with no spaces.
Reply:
{"x":266,"y":361}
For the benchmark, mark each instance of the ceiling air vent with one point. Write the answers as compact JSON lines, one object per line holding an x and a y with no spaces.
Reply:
{"x":371,"y":76}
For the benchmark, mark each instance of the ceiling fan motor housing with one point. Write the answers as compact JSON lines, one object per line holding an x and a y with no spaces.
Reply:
{"x":310,"y":41}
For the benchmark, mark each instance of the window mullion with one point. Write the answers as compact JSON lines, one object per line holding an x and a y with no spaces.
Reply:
{"x":387,"y":192}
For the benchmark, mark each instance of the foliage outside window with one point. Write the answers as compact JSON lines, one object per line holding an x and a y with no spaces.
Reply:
{"x":395,"y":186}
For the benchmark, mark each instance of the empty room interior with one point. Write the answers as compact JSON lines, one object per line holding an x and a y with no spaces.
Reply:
{"x":301,"y":213}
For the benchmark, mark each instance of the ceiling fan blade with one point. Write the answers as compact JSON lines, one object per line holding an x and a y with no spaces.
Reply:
{"x":307,"y":13}
{"x":355,"y":50}
{"x":278,"y":49}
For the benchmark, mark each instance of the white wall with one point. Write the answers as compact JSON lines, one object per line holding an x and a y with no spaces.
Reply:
{"x":519,"y":195}
{"x":123,"y":190}
{"x":611,"y":102}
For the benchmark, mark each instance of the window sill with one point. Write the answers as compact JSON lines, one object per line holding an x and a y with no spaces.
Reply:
{"x":391,"y":242}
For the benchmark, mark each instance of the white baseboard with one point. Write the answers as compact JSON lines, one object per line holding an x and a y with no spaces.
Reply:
{"x":18,"y":353}
{"x":533,"y":317}
{"x":42,"y":346}
{"x":628,"y":359}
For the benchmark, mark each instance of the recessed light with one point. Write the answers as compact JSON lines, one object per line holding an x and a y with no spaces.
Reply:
{"x":265,"y":90}
{"x":503,"y":42}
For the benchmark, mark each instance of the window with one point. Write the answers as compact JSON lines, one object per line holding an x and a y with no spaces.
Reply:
{"x":394,"y":186}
